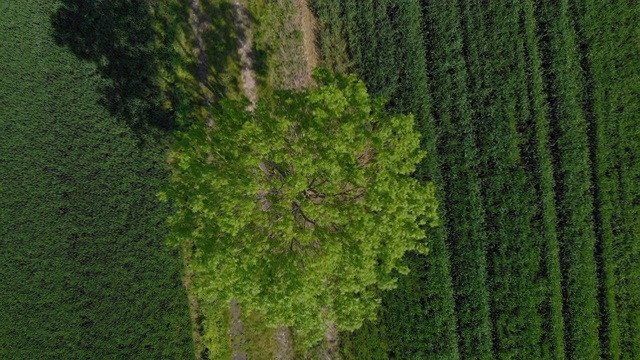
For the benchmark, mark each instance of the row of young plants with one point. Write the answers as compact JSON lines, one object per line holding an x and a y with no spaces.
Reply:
{"x":552,"y":307}
{"x":458,"y":154}
{"x":603,"y":156}
{"x":495,"y":56}
{"x":573,"y":179}
{"x":420,"y":314}
{"x":624,"y":79}
{"x":535,"y":161}
{"x":609,"y":62}
{"x":372,"y":44}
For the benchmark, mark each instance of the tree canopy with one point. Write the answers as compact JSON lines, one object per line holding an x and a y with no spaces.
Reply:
{"x":303,"y":208}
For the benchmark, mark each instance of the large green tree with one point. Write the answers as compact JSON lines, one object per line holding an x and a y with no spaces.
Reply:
{"x":303,"y":208}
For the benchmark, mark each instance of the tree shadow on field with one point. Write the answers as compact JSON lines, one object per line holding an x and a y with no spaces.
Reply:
{"x":120,"y":38}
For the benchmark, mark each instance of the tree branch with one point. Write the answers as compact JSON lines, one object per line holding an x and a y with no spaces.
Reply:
{"x":296,"y":209}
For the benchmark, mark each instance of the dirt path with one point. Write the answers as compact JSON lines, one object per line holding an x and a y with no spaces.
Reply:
{"x":236,"y":332}
{"x":199,"y":24}
{"x":194,"y":306}
{"x":247,"y":59}
{"x":284,"y":339}
{"x":307,"y":23}
{"x":245,"y":51}
{"x":331,"y":350}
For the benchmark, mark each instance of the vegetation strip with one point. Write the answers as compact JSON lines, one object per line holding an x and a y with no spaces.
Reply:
{"x":605,"y":31}
{"x":502,"y":115}
{"x":84,"y":267}
{"x":540,"y":113}
{"x":573,"y":181}
{"x":458,"y":152}
{"x":420,"y":314}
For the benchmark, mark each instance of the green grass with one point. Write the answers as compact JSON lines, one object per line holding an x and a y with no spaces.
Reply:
{"x":279,"y":45}
{"x":608,"y":39}
{"x":495,"y":56}
{"x":554,"y":325}
{"x":86,"y":273}
{"x":573,"y":181}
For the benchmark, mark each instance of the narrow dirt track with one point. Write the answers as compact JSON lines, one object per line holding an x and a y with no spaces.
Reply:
{"x":245,"y":51}
{"x":307,"y":23}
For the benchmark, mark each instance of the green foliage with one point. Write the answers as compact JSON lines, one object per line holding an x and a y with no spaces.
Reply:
{"x":573,"y":181}
{"x":304,"y":209}
{"x":544,"y":165}
{"x":610,"y":58}
{"x":465,"y":215}
{"x":84,"y":267}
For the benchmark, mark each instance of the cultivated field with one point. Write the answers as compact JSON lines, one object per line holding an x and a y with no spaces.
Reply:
{"x":528,"y":113}
{"x":84,"y":266}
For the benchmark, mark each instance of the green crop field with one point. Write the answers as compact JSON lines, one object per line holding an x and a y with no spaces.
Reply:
{"x":530,"y":114}
{"x":85,"y":270}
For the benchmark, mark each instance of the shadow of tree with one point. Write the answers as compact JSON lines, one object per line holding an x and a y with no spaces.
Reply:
{"x":221,"y":40}
{"x":220,"y":45}
{"x":120,"y":38}
{"x":133,"y":43}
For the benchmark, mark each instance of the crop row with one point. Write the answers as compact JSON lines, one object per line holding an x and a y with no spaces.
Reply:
{"x":554,"y":321}
{"x":457,"y":152}
{"x":605,"y":31}
{"x":419,"y":315}
{"x":573,"y":180}
{"x":502,"y":112}
{"x":531,"y":115}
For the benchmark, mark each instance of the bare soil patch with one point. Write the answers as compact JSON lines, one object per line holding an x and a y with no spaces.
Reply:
{"x":308,"y":26}
{"x":245,"y":51}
